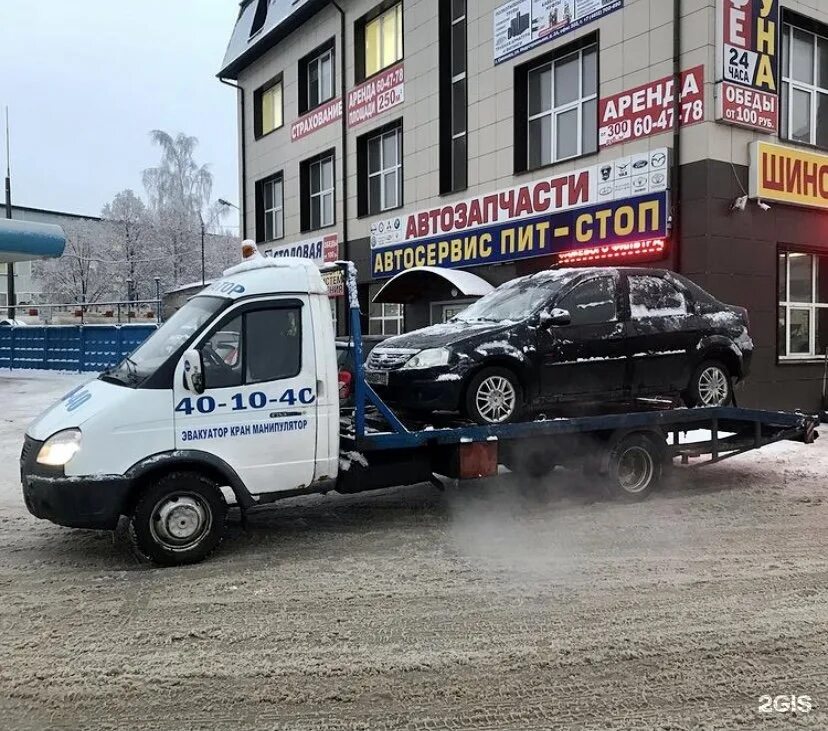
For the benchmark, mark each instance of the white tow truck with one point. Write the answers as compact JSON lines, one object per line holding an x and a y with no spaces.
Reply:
{"x":235,"y":400}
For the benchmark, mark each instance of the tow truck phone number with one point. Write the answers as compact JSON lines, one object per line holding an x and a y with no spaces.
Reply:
{"x":238,"y":402}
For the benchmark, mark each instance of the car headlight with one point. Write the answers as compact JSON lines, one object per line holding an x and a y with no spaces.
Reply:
{"x":59,"y":448}
{"x":429,"y":358}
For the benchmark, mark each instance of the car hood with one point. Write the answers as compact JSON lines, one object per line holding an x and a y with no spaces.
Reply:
{"x":77,"y":407}
{"x":444,"y":335}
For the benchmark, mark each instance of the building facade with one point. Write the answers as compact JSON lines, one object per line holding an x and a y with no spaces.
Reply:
{"x":502,"y":137}
{"x":28,"y":287}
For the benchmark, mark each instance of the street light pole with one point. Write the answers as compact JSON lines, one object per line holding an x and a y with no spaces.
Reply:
{"x":203,"y":275}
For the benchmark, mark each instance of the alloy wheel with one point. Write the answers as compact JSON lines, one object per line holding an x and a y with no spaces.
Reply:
{"x":496,"y":399}
{"x":713,"y":387}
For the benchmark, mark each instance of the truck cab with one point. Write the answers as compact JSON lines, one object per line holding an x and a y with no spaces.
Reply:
{"x":238,"y":390}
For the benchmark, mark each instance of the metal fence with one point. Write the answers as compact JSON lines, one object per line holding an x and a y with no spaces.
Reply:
{"x":70,"y":347}
{"x":84,"y":313}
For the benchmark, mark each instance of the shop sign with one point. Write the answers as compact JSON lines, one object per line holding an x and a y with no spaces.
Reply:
{"x":618,"y":179}
{"x":521,"y":25}
{"x":317,"y":119}
{"x":634,"y":219}
{"x":380,"y":93}
{"x":335,"y":283}
{"x":747,"y":94}
{"x":649,"y":109}
{"x":788,"y":175}
{"x":320,"y":250}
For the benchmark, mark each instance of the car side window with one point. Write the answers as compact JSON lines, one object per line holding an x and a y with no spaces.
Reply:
{"x":592,"y":302}
{"x":273,"y":341}
{"x":655,"y":297}
{"x":221,"y":355}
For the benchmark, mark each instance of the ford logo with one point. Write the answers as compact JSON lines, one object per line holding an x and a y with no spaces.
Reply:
{"x":638,"y":164}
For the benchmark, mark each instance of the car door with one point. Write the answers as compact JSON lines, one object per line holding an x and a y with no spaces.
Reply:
{"x":587,"y":358}
{"x":258,"y":411}
{"x":664,"y":329}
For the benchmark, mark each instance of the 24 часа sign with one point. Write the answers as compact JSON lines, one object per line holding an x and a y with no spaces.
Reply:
{"x":617,"y":202}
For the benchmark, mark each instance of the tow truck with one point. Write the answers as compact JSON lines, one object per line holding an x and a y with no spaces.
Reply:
{"x":235,"y":401}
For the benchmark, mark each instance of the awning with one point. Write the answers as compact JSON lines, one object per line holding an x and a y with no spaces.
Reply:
{"x":431,"y":284}
{"x":25,"y":240}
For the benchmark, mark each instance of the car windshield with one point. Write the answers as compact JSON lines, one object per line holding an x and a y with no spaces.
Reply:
{"x":165,"y":341}
{"x":512,"y":302}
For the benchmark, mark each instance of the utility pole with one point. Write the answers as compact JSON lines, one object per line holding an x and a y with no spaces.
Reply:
{"x":11,"y":300}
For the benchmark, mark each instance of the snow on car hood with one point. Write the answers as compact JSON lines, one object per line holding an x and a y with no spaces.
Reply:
{"x":445,"y":334}
{"x":77,"y":407}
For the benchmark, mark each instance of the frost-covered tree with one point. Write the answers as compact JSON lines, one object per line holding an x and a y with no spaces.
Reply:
{"x":134,"y":251}
{"x":179,"y":192}
{"x":83,"y":273}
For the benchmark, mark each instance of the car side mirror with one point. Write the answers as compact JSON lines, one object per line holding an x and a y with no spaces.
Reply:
{"x":193,"y":371}
{"x":555,"y":318}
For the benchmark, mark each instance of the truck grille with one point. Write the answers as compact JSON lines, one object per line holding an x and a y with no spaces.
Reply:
{"x":389,"y":359}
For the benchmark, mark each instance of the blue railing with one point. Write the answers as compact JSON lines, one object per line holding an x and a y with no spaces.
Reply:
{"x":69,"y":347}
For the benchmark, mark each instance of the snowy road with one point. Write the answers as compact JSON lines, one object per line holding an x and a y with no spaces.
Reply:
{"x":414,"y":609}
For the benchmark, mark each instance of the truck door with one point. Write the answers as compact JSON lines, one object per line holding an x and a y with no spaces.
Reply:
{"x":258,"y":410}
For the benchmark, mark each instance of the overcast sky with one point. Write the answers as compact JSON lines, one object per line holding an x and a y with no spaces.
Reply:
{"x":86,"y":80}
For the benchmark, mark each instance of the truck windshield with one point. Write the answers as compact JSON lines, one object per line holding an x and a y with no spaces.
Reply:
{"x":165,"y":341}
{"x":512,"y":302}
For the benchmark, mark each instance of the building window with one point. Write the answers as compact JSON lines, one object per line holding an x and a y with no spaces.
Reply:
{"x":453,"y":97}
{"x":317,"y":73}
{"x":270,"y":209}
{"x":560,"y":107}
{"x":386,"y":319}
{"x":268,"y":107}
{"x":380,"y":170}
{"x":318,"y":192}
{"x":379,"y":41}
{"x":259,"y":17}
{"x":803,"y":305}
{"x":804,"y":86}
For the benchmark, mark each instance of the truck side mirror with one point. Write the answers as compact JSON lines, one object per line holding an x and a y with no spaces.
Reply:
{"x":555,"y":318}
{"x":193,"y":371}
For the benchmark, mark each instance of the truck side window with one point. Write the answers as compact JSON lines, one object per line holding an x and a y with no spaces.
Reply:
{"x":591,"y":303}
{"x":273,"y":344}
{"x":222,"y":356}
{"x":655,"y":297}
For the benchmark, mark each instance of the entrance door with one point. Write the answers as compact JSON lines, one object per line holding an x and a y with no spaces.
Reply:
{"x":586,"y":359}
{"x":258,"y":410}
{"x":448,"y":311}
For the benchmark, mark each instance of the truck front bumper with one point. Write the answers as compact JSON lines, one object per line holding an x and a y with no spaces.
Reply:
{"x":94,"y":501}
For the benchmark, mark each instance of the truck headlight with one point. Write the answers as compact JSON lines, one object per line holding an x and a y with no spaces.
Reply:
{"x":59,"y":448}
{"x":429,"y":358}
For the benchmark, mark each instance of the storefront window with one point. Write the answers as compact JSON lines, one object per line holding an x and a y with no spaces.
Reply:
{"x":804,"y":86}
{"x":386,"y":319}
{"x":803,"y":305}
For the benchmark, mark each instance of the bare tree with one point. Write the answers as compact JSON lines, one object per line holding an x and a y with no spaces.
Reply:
{"x":131,"y":226}
{"x":83,"y":273}
{"x":179,"y":192}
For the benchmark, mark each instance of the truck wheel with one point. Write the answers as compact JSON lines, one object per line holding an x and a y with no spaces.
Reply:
{"x":179,"y":519}
{"x":494,"y":396}
{"x":635,"y":467}
{"x":710,"y":385}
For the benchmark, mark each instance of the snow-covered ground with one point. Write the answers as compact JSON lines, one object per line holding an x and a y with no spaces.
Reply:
{"x":487,"y":606}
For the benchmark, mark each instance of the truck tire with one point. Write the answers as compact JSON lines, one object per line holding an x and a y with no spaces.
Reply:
{"x":635,"y":467}
{"x":178,"y":519}
{"x":494,"y":396}
{"x":710,"y":385}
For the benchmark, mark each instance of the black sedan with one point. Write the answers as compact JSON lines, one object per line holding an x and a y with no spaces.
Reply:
{"x":568,"y":337}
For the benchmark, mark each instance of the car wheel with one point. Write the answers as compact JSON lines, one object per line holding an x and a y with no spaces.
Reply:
{"x":710,"y":385}
{"x":179,"y":519}
{"x":635,"y":467}
{"x":494,"y":396}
